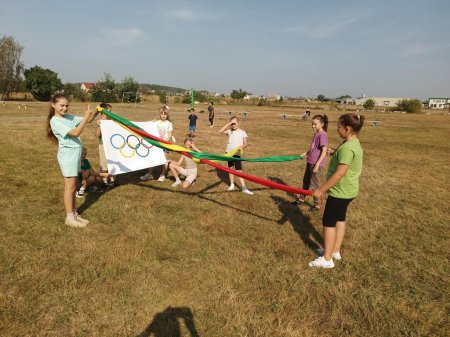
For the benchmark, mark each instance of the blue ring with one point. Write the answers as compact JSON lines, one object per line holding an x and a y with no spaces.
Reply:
{"x":120,"y":147}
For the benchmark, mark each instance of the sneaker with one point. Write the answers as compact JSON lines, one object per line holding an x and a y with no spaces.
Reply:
{"x":111,"y":183}
{"x":320,"y":262}
{"x":161,"y":178}
{"x":80,"y":219}
{"x":176,"y":183}
{"x":336,"y":255}
{"x":247,"y":191}
{"x":79,"y":194}
{"x":75,"y":223}
{"x":146,"y":177}
{"x":231,"y":188}
{"x":297,"y":202}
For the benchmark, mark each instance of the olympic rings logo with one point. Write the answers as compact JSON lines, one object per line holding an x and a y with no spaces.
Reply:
{"x":133,"y":143}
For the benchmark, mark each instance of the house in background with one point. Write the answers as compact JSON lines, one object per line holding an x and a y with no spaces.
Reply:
{"x":86,"y":86}
{"x":438,"y":103}
{"x":379,"y":101}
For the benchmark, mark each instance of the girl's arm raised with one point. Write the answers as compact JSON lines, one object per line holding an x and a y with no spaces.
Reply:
{"x":88,"y":117}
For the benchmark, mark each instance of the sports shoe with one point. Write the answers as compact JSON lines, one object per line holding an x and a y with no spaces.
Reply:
{"x":146,"y":177}
{"x":297,"y":202}
{"x":80,"y":219}
{"x":336,"y":255}
{"x":161,"y":178}
{"x":75,"y":223}
{"x":247,"y":191}
{"x":176,"y":183}
{"x":79,"y":194}
{"x":111,"y":184}
{"x":320,"y":262}
{"x":231,"y":188}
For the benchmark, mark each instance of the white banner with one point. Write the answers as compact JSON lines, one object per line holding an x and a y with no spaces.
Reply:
{"x":126,"y":152}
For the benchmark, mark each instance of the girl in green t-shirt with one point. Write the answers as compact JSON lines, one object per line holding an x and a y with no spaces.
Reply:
{"x":342,"y":185}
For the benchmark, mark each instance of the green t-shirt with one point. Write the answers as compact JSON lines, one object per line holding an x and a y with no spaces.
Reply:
{"x":85,"y":165}
{"x":348,"y":153}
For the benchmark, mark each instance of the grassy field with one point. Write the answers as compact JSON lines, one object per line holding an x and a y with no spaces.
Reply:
{"x":160,"y":261}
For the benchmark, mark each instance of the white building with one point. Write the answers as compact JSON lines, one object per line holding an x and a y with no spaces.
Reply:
{"x":438,"y":103}
{"x":379,"y":101}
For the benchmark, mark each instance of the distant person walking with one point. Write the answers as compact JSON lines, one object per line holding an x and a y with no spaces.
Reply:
{"x":211,"y":113}
{"x":342,"y":186}
{"x":66,"y":129}
{"x":237,"y":139}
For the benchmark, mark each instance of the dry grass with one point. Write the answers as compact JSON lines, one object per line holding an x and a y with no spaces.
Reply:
{"x":159,"y":261}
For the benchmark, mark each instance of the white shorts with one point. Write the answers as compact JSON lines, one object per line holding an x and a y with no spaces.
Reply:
{"x":190,"y":174}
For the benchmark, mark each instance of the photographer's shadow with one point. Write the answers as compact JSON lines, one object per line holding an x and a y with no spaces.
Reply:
{"x":167,"y":323}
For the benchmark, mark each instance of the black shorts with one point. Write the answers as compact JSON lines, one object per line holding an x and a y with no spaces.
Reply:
{"x":237,"y":164}
{"x":335,"y":210}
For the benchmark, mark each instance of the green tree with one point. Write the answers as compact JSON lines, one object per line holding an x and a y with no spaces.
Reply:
{"x":42,"y":83}
{"x":239,"y":94}
{"x":410,"y":105}
{"x":11,"y":67}
{"x":128,"y":90}
{"x":369,"y":104}
{"x":105,"y":90}
{"x":321,"y":98}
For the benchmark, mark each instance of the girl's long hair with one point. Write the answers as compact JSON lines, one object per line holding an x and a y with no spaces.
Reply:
{"x":166,"y":111}
{"x":324,"y":120}
{"x":51,"y":112}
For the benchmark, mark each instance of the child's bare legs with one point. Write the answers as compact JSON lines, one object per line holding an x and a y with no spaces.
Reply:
{"x":69,"y":194}
{"x":231,"y":176}
{"x":333,"y":237}
{"x":174,"y":168}
{"x":242,"y":181}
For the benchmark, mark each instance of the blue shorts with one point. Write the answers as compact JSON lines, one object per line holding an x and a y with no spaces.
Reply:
{"x":192,"y":128}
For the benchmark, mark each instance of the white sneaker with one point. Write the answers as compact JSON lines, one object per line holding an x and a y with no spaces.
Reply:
{"x":161,"y":178}
{"x":231,"y":188}
{"x":176,"y":183}
{"x":80,"y":219}
{"x":247,"y":191}
{"x":320,"y":262}
{"x":75,"y":223}
{"x":146,"y":177}
{"x":336,"y":255}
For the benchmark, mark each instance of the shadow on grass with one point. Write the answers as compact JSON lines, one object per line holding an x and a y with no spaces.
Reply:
{"x":167,"y":323}
{"x":200,"y":195}
{"x":301,"y":223}
{"x":122,"y":179}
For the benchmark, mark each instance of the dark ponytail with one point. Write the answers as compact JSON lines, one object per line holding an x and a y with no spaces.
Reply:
{"x":323,"y":119}
{"x":352,"y":120}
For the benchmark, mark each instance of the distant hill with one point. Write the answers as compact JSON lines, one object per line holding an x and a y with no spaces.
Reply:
{"x":157,"y":87}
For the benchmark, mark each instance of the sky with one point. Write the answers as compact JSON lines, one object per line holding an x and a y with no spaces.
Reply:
{"x":396,"y":48}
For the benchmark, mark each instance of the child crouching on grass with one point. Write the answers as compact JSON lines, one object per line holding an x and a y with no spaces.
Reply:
{"x":88,"y":176}
{"x":190,"y":172}
{"x":342,"y":186}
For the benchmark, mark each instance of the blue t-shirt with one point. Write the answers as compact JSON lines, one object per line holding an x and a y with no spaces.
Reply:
{"x":61,"y":127}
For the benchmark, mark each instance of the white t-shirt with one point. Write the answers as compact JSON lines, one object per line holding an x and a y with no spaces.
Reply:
{"x":164,"y":127}
{"x":235,"y":139}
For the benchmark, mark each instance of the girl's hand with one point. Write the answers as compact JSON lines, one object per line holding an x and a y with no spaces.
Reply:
{"x":303,"y":154}
{"x":330,"y":151}
{"x":88,"y":112}
{"x":316,"y":168}
{"x":317,"y":193}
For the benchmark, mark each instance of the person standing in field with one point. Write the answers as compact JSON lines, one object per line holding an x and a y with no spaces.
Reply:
{"x":315,"y":159}
{"x":192,"y":122}
{"x":342,"y":186}
{"x":66,"y":129}
{"x":237,"y":139}
{"x":211,"y":113}
{"x":101,"y":150}
{"x":165,"y":131}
